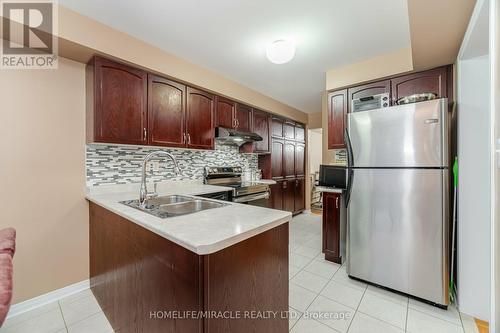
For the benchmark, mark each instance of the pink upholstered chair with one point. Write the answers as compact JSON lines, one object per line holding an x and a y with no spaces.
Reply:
{"x":7,"y":250}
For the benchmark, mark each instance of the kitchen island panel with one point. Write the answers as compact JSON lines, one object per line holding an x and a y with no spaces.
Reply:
{"x":251,"y":279}
{"x":138,"y":277}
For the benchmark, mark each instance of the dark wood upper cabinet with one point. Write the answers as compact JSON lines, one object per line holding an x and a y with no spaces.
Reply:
{"x":300,"y":204}
{"x":367,"y":90}
{"x":289,"y":130}
{"x":200,"y":112}
{"x":277,"y":159}
{"x":300,"y":151}
{"x":431,"y":81}
{"x":331,"y":226}
{"x":288,"y":165}
{"x":261,"y":123}
{"x":289,"y":195}
{"x":300,"y":133}
{"x":277,"y":127}
{"x":120,"y":102}
{"x":438,"y":81}
{"x":337,"y":110}
{"x":233,"y":115}
{"x":166,"y":107}
{"x":289,"y":159}
{"x":226,"y":110}
{"x":243,"y":118}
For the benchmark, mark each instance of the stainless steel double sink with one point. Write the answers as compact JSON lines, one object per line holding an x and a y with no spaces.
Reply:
{"x":173,"y":205}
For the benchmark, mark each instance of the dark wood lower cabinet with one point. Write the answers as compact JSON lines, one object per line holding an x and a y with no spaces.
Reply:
{"x":331,"y":226}
{"x":300,"y":203}
{"x":289,"y":195}
{"x":138,"y":277}
{"x":277,"y":195}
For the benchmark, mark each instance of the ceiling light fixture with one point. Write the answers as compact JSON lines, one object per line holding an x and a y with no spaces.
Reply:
{"x":280,"y":51}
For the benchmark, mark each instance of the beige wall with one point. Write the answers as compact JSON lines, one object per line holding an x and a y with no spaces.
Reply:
{"x":436,"y":34}
{"x":327,"y":155}
{"x":315,"y":137}
{"x":314,"y":120}
{"x":391,"y":63}
{"x":81,"y":36}
{"x":42,"y":176}
{"x":314,"y":149}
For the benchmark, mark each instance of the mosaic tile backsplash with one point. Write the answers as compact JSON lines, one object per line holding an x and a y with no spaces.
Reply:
{"x":115,"y":164}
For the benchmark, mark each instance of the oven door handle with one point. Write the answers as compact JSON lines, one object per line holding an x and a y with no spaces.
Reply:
{"x":248,"y":198}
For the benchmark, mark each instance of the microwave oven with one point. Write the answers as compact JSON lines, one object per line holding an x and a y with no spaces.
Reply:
{"x":370,"y":102}
{"x":333,"y":176}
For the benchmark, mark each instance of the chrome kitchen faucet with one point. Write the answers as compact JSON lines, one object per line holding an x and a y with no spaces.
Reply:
{"x":144,"y":195}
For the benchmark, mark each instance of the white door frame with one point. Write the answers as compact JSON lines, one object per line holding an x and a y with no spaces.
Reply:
{"x":495,"y":167}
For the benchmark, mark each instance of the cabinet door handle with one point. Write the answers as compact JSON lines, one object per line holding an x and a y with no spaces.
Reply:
{"x":337,"y":202}
{"x":145,"y":133}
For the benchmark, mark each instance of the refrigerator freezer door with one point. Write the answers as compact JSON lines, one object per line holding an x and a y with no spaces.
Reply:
{"x":412,"y":135}
{"x":397,"y":230}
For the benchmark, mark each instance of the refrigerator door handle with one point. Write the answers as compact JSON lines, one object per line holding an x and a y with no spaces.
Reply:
{"x":349,"y":187}
{"x":350,"y":156}
{"x":350,"y":165}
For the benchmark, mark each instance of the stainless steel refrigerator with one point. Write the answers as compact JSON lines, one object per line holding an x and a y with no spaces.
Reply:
{"x":398,"y":198}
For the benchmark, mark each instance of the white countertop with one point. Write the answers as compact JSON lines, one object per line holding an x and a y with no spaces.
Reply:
{"x":328,"y":189}
{"x":203,"y":232}
{"x":265,"y":181}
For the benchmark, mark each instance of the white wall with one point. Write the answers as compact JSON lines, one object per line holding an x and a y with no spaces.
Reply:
{"x":315,"y":139}
{"x":474,"y":187}
{"x":494,"y":46}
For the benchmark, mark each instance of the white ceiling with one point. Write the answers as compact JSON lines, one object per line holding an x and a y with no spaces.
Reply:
{"x":230,"y":36}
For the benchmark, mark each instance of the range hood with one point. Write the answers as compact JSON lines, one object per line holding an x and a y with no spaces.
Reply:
{"x":231,"y":136}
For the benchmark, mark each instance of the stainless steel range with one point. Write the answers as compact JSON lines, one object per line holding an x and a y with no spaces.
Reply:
{"x":248,"y":192}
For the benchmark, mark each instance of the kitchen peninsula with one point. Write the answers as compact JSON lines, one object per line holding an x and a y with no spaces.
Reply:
{"x":231,"y":258}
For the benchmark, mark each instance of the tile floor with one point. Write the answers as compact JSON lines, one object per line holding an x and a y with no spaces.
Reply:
{"x":319,"y":286}
{"x":79,"y":313}
{"x":316,"y":286}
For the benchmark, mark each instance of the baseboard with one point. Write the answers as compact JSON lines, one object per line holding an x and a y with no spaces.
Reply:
{"x":47,"y":298}
{"x":482,"y":326}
